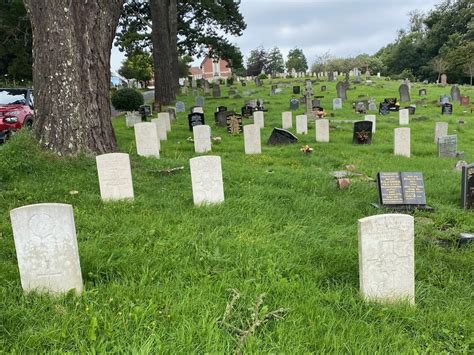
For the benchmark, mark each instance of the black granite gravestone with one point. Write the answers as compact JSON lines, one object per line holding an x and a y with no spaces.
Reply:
{"x":221,"y":117}
{"x":296,"y":90}
{"x":195,"y":119}
{"x":384,"y":108}
{"x":294,"y":104}
{"x":467,"y":187}
{"x":362,"y":132}
{"x":401,"y":190}
{"x":281,"y":136}
{"x":247,"y":111}
{"x":234,"y":123}
{"x":447,"y":109}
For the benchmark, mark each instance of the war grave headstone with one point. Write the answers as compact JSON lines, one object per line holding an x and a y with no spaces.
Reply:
{"x":206,"y":178}
{"x":456,"y":93}
{"x":447,"y":109}
{"x":160,"y":126}
{"x":402,"y":142}
{"x":401,"y":191}
{"x":373,"y":119}
{"x":467,"y":187}
{"x":46,"y":248}
{"x":287,"y":120}
{"x":403,"y":117}
{"x":166,"y":117}
{"x":387,"y":258}
{"x":322,"y":130}
{"x":444,"y":79}
{"x":294,"y":104}
{"x":362,"y":133}
{"x":302,"y":124}
{"x":259,"y":118}
{"x":252,"y":141}
{"x":281,"y":136}
{"x":202,"y":138}
{"x":234,"y":123}
{"x":404,"y":93}
{"x":200,"y":101}
{"x":216,"y":91}
{"x":465,"y":100}
{"x":146,"y":138}
{"x":115,"y":176}
{"x":131,"y":119}
{"x":180,"y":106}
{"x":296,"y":90}
{"x":422,"y":92}
{"x":441,"y":129}
{"x":448,"y":146}
{"x":341,"y":89}
{"x":195,"y":119}
{"x":337,"y":103}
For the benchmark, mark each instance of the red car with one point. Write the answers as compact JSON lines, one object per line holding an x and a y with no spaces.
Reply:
{"x":16,"y":110}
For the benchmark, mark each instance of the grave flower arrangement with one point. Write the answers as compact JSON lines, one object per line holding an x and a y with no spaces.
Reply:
{"x":306,"y":149}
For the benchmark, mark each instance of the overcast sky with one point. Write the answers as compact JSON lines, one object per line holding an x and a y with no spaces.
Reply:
{"x":342,"y":27}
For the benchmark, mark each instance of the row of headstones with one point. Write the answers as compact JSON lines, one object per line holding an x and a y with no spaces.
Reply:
{"x":48,"y":253}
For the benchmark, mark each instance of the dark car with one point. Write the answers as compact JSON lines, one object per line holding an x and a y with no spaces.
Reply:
{"x":16,"y":111}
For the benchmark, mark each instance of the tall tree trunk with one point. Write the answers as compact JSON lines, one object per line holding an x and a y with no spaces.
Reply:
{"x":162,"y":53}
{"x":72,"y":42}
{"x":173,"y":23}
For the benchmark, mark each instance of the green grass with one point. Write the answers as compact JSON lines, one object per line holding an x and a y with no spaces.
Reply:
{"x":158,"y":272}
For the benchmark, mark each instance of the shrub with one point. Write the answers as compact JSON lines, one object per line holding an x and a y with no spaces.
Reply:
{"x":127,"y":99}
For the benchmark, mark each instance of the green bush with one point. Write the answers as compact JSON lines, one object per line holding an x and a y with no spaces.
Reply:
{"x":127,"y":99}
{"x":263,"y":76}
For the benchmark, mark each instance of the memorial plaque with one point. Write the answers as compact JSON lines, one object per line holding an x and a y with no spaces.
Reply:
{"x":195,"y":119}
{"x":362,"y":133}
{"x":448,"y":146}
{"x":447,"y":109}
{"x":280,"y":136}
{"x":404,"y":189}
{"x":294,"y":104}
{"x":234,"y":124}
{"x":467,"y":187}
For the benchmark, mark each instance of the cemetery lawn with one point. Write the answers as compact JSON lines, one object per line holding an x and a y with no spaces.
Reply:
{"x":159,"y":272}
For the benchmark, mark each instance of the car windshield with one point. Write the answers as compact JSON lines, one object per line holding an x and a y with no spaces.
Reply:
{"x":12,"y":97}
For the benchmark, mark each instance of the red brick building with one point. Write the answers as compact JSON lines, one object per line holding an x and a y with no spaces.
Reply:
{"x":211,"y":69}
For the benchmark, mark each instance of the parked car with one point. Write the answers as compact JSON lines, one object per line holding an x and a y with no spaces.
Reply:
{"x":16,"y":111}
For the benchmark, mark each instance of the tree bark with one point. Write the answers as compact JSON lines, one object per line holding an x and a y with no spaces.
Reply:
{"x":162,"y":53}
{"x":72,"y":42}
{"x":173,"y":23}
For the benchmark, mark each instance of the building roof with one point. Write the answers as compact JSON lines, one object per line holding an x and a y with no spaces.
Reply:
{"x":195,"y":71}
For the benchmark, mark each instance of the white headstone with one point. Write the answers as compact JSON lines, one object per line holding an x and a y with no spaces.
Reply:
{"x":206,"y":177}
{"x":373,"y":119}
{"x":302,"y":124}
{"x":115,"y":176}
{"x":131,"y":119}
{"x":146,"y":137}
{"x":387,"y":258}
{"x":378,"y":75}
{"x":403,"y":117}
{"x":252,"y":139}
{"x":202,"y":138}
{"x":402,"y":142}
{"x":322,"y":130}
{"x":167,"y":119}
{"x":161,"y":130}
{"x":46,"y":248}
{"x":259,"y":119}
{"x":198,"y":109}
{"x":286,"y":120}
{"x":337,"y":103}
{"x":441,"y":130}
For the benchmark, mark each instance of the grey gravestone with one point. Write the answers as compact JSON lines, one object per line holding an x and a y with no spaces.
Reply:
{"x":456,"y":93}
{"x":467,"y":187}
{"x":205,"y":86}
{"x":444,"y":79}
{"x":180,"y":106}
{"x":195,"y":119}
{"x":281,"y":136}
{"x":448,"y":146}
{"x":362,"y":133}
{"x":323,"y":88}
{"x":447,"y":109}
{"x":200,"y":101}
{"x":372,"y":105}
{"x":445,"y":99}
{"x":404,"y":91}
{"x":216,"y":91}
{"x":341,"y":89}
{"x":331,"y":76}
{"x":296,"y":90}
{"x":337,"y":104}
{"x":401,"y":190}
{"x":422,"y":92}
{"x":316,"y":103}
{"x":294,"y":104}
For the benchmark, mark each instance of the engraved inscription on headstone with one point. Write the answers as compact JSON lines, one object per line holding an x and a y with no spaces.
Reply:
{"x":441,"y":129}
{"x":115,"y":176}
{"x":448,"y":146}
{"x":337,"y":104}
{"x":362,"y":133}
{"x":46,"y":248}
{"x":322,"y":130}
{"x":386,"y":258}
{"x":166,"y":117}
{"x":160,"y":125}
{"x":146,"y":138}
{"x":252,"y":139}
{"x":403,"y":117}
{"x":287,"y":120}
{"x":447,"y":109}
{"x":401,"y":189}
{"x":259,"y":119}
{"x":195,"y":119}
{"x":301,"y":124}
{"x":206,"y":178}
{"x":402,"y":142}
{"x":202,"y":138}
